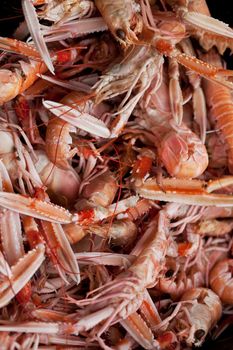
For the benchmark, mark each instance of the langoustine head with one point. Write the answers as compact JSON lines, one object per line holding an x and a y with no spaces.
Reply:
{"x":122,"y":18}
{"x":204,"y":310}
{"x":184,"y":155}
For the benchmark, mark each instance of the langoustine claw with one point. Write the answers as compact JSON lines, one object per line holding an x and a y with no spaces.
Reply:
{"x":35,"y":207}
{"x":73,"y":112}
{"x":191,"y":192}
{"x":209,"y":31}
{"x":16,"y":277}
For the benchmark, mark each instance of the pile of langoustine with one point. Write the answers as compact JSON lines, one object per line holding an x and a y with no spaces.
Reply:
{"x":116,"y":155}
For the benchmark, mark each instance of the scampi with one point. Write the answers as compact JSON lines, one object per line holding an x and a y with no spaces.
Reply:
{"x":116,"y":186}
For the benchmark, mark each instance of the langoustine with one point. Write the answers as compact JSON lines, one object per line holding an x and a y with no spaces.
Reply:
{"x":219,"y":100}
{"x":91,"y":178}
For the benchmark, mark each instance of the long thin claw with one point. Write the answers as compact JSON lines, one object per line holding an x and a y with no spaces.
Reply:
{"x":6,"y":184}
{"x":80,"y":120}
{"x":17,"y":46}
{"x":180,"y":191}
{"x":138,"y":329}
{"x":35,"y":207}
{"x":175,"y":92}
{"x":11,"y":236}
{"x":218,"y":184}
{"x":21,"y":273}
{"x":206,"y":70}
{"x":31,"y":327}
{"x":65,"y":341}
{"x":112,"y":259}
{"x":209,"y":24}
{"x":74,"y":29}
{"x":35,"y":31}
{"x":60,"y":246}
{"x":149,"y":311}
{"x":4,"y":267}
{"x":199,"y":106}
{"x":90,"y":321}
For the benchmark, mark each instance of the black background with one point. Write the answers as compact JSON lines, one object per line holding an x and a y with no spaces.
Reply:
{"x":11,"y":15}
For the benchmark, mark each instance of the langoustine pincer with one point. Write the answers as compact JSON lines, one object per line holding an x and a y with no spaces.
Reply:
{"x":115,"y":220}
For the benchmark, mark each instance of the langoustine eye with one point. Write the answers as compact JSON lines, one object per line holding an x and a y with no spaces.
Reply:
{"x":199,"y":334}
{"x":120,"y":33}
